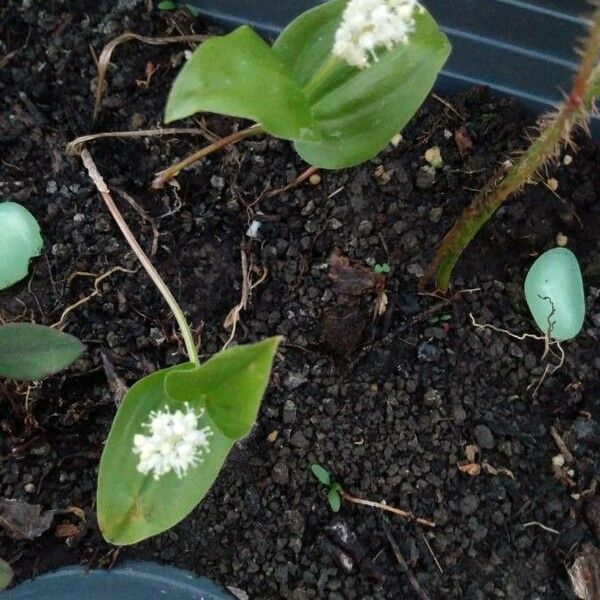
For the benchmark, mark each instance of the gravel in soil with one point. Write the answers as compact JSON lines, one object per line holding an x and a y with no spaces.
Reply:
{"x":390,"y":405}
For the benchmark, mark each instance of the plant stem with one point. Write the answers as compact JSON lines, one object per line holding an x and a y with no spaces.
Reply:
{"x":555,"y":130}
{"x":163,"y":176}
{"x":321,"y":74}
{"x":186,"y":332}
{"x":397,"y":511}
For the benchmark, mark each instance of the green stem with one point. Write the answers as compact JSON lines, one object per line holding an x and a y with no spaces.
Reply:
{"x":186,"y":332}
{"x":554,"y":131}
{"x":322,"y":73}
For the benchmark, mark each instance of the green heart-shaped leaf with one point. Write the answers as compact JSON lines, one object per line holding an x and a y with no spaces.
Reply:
{"x":230,"y":385}
{"x":20,"y":241}
{"x":133,"y":506}
{"x":29,"y":351}
{"x":358,"y":111}
{"x":239,"y":75}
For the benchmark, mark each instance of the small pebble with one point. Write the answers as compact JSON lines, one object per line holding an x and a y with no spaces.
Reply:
{"x":469,"y":504}
{"x":314,"y":179}
{"x":558,"y":461}
{"x":552,"y":184}
{"x":396,"y":140}
{"x":29,"y":488}
{"x":484,"y":437}
{"x":567,"y":160}
{"x":561,"y":240}
{"x":434,"y":157}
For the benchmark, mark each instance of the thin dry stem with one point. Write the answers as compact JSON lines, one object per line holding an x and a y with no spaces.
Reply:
{"x":158,"y":281}
{"x":91,"y":295}
{"x":381,"y":506}
{"x":105,"y":55}
{"x":232,"y":319}
{"x":290,"y":186}
{"x":161,"y":178}
{"x":75,"y":146}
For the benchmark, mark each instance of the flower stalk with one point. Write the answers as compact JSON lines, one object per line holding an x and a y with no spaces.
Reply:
{"x":554,"y":132}
{"x":186,"y":332}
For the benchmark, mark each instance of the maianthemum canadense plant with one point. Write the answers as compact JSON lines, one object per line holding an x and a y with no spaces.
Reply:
{"x":339,"y":82}
{"x":27,"y":351}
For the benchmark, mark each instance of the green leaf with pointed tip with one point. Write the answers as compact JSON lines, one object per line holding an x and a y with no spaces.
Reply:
{"x":358,"y":111}
{"x":231,"y":385}
{"x":334,"y":500}
{"x":132,"y":506}
{"x":6,"y":574}
{"x":239,"y":75}
{"x":321,"y":474}
{"x":20,"y":241}
{"x":29,"y":351}
{"x":554,"y":294}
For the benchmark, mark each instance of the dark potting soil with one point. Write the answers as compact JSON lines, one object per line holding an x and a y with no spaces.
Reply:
{"x":388,"y":405}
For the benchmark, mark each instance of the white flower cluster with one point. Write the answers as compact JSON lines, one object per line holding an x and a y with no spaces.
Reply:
{"x":174,"y":442}
{"x":370,"y":24}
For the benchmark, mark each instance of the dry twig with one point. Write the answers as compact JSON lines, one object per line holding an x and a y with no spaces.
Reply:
{"x":162,"y":177}
{"x":290,"y":186}
{"x":232,"y":319}
{"x":75,"y":146}
{"x":104,"y":58}
{"x":381,"y":506}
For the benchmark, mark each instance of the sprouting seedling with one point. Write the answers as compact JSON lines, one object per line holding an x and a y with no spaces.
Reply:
{"x":335,"y":495}
{"x":382,"y":269}
{"x":167,"y":5}
{"x":333,"y":487}
{"x":444,"y":318}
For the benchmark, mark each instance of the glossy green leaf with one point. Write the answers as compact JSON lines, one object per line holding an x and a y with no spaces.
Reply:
{"x":20,"y":241}
{"x":357,"y":111}
{"x":29,"y":351}
{"x":240,"y":75}
{"x":231,"y":385}
{"x":334,"y":500}
{"x":554,"y":294}
{"x":132,"y":506}
{"x":6,"y":574}
{"x":321,"y":474}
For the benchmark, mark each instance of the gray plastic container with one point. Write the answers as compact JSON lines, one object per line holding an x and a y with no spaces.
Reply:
{"x":522,"y":48}
{"x":129,"y":581}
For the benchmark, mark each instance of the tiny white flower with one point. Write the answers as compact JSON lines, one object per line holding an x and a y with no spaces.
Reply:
{"x":371,"y":24}
{"x":175,"y":443}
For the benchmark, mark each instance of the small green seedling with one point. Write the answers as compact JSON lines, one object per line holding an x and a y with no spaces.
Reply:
{"x":167,"y":5}
{"x":440,"y":319}
{"x":333,"y":487}
{"x":382,"y":269}
{"x":6,"y":574}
